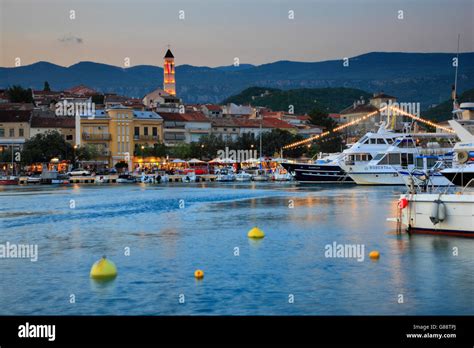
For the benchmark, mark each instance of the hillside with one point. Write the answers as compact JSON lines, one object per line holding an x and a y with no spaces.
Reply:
{"x":304,"y":99}
{"x":442,"y":112}
{"x":412,"y":77}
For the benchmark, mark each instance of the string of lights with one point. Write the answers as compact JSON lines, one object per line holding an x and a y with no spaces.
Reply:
{"x":422,"y":120}
{"x":363,"y":118}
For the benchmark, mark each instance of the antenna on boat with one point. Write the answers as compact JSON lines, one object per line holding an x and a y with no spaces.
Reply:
{"x":455,"y":87}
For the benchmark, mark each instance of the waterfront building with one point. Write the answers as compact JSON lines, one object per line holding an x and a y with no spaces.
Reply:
{"x":43,"y":124}
{"x":184,"y":127}
{"x":226,"y":127}
{"x":14,"y":131}
{"x":117,"y":133}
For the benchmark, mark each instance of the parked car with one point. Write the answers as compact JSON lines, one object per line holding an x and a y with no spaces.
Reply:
{"x":76,"y":172}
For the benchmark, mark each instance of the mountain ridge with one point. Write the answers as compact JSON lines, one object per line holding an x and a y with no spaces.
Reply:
{"x":413,"y":77}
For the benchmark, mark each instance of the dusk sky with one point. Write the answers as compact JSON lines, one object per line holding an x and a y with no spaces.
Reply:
{"x":214,"y":32}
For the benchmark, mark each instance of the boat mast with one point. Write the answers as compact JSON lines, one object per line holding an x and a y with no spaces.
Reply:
{"x":455,"y":91}
{"x":261,"y":118}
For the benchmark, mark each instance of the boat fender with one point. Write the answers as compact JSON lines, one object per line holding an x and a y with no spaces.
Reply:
{"x":438,"y":212}
{"x":402,"y":203}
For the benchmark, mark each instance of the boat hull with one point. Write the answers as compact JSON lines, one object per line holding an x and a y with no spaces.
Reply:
{"x":459,"y":212}
{"x":317,"y":174}
{"x":378,"y":178}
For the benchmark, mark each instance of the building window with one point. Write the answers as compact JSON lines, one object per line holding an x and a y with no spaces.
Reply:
{"x":2,"y":132}
{"x":137,"y":131}
{"x":12,"y":132}
{"x":69,"y":137}
{"x":22,"y":132}
{"x":145,"y":130}
{"x":155,"y":131}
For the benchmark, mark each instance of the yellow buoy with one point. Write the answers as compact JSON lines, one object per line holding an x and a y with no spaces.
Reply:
{"x":374,"y":255}
{"x":199,"y":274}
{"x":103,"y":269}
{"x":256,"y":233}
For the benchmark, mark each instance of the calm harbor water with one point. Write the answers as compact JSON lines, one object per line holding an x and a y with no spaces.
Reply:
{"x":168,"y":243}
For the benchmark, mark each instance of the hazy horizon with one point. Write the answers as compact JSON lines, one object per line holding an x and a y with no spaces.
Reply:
{"x":213,"y":33}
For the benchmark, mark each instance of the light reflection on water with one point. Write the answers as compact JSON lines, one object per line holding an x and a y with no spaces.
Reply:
{"x":168,"y":243}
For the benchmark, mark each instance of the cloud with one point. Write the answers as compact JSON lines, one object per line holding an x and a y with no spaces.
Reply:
{"x":71,"y":39}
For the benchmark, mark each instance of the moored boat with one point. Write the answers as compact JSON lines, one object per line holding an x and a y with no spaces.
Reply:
{"x":126,"y":179}
{"x":243,"y":176}
{"x":8,"y":180}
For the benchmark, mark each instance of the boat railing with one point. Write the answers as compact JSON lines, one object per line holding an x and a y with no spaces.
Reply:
{"x":470,"y":182}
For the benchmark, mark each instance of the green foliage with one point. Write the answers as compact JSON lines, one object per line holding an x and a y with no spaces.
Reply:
{"x":43,"y":147}
{"x":443,"y":111}
{"x":330,"y":143}
{"x":304,"y":100}
{"x":87,"y":153}
{"x":121,"y":165}
{"x":46,"y":86}
{"x":181,"y":150}
{"x":18,"y":94}
{"x":98,"y":99}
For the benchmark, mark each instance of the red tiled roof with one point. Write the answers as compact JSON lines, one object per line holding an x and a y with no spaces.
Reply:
{"x":15,"y":115}
{"x":186,"y":117}
{"x":195,"y":117}
{"x":212,"y":107}
{"x":81,"y":89}
{"x":303,"y":117}
{"x":269,"y":122}
{"x":53,"y":122}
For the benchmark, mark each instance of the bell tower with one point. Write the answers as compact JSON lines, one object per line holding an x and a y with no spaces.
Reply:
{"x":169,"y":83}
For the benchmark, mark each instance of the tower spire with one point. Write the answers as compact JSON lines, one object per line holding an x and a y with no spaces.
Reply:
{"x":169,"y":83}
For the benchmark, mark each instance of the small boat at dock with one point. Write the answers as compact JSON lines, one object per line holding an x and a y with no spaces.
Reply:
{"x":8,"y":180}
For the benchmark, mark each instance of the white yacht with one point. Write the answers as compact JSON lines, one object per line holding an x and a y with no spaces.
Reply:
{"x":385,"y":166}
{"x":225,"y":175}
{"x":444,"y":212}
{"x":330,"y":168}
{"x":462,"y":170}
{"x":427,"y":171}
{"x":243,"y":176}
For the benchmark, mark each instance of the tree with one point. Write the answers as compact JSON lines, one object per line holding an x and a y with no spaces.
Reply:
{"x":121,"y":165}
{"x":45,"y":146}
{"x":18,"y":94}
{"x":330,"y":143}
{"x":87,"y":152}
{"x":273,"y":142}
{"x":181,"y":150}
{"x":46,"y":86}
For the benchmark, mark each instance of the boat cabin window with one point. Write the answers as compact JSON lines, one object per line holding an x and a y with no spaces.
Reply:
{"x":403,"y":159}
{"x":362,"y":157}
{"x":362,"y":141}
{"x":406,"y":143}
{"x":380,"y":141}
{"x":379,"y":156}
{"x":390,"y":141}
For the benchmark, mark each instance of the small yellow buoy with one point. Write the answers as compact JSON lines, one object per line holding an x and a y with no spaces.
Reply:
{"x":374,"y":255}
{"x":199,"y":274}
{"x":103,"y":269}
{"x":256,"y":233}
